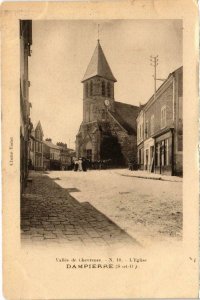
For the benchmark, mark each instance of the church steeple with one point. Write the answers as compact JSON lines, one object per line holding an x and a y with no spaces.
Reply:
{"x":99,"y":66}
{"x":98,"y":87}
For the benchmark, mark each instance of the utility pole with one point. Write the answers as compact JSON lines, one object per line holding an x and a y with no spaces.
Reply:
{"x":154,"y":63}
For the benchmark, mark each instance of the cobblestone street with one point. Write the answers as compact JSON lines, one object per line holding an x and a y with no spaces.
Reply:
{"x":149,"y":210}
{"x":50,"y":215}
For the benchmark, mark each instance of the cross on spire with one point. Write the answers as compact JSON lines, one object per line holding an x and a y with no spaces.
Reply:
{"x":98,"y":32}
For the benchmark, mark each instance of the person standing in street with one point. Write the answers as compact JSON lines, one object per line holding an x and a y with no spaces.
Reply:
{"x":76,"y":164}
{"x":84,"y":164}
{"x":80,"y":168}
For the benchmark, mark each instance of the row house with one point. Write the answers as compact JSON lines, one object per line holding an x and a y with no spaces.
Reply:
{"x":44,"y":155}
{"x":36,"y":148}
{"x":25,"y":105}
{"x":160,"y":128}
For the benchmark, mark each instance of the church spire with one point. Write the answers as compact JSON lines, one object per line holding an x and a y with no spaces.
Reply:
{"x":98,"y":65}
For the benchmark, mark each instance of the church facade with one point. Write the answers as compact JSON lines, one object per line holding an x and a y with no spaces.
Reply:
{"x":108,"y":130}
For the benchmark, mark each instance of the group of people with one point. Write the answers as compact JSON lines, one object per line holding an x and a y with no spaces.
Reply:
{"x":83,"y":164}
{"x":80,"y":164}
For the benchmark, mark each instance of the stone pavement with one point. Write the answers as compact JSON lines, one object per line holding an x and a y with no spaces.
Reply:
{"x":49,"y":215}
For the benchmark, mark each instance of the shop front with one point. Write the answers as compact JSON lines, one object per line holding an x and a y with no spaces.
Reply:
{"x":164,"y":153}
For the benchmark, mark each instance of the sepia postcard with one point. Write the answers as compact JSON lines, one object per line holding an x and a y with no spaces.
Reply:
{"x":100,"y":149}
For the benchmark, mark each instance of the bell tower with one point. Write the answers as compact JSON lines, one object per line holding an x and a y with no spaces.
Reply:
{"x":98,"y":87}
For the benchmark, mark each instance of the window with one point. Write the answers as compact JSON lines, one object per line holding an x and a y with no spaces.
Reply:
{"x":142,"y":131}
{"x":108,"y":90}
{"x":91,"y":88}
{"x":141,"y":156}
{"x":152,"y":124}
{"x":162,"y":153}
{"x":163,"y":116}
{"x":86,"y":90}
{"x":147,"y":159}
{"x":157,"y":160}
{"x":103,"y":88}
{"x":146,"y":129}
{"x":91,"y":111}
{"x":138,"y":132}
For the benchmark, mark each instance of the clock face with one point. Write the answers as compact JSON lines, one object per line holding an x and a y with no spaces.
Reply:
{"x":107,"y":102}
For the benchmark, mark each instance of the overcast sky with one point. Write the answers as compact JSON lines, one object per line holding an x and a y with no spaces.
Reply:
{"x":61,"y":52}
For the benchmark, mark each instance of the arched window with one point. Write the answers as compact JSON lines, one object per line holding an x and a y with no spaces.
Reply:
{"x":91,"y":88}
{"x":103,"y":88}
{"x":86,"y":90}
{"x":108,"y":89}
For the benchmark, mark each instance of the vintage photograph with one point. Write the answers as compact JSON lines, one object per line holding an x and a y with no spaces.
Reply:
{"x":100,"y":149}
{"x":101,"y":132}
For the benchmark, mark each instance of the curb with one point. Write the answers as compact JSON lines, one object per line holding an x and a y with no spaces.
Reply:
{"x":147,"y":177}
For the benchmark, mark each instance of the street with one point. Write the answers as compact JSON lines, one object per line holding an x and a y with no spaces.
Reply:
{"x":148,"y":210}
{"x":100,"y":208}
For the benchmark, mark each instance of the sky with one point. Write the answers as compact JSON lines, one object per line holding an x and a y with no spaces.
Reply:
{"x":61,"y":52}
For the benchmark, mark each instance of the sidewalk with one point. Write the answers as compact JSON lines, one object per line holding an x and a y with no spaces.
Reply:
{"x":148,"y":175}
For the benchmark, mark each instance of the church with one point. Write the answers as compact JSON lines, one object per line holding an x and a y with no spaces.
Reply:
{"x":108,"y":130}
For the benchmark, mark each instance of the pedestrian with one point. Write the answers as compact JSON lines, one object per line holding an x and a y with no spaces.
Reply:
{"x":80,"y":164}
{"x":76,"y":165}
{"x":84,"y":164}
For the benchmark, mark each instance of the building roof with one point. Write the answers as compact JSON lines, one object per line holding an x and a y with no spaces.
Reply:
{"x":51,"y":145}
{"x":39,"y":126}
{"x":65,"y":149}
{"x":125,"y":115}
{"x":98,"y":66}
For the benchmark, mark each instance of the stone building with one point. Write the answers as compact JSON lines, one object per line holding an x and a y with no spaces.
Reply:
{"x":51,"y":154}
{"x":36,"y":148}
{"x":160,"y":128}
{"x":25,"y":121}
{"x":66,"y":155}
{"x":108,"y":129}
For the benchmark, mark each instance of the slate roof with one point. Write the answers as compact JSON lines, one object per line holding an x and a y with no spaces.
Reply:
{"x":125,"y":115}
{"x":98,"y":66}
{"x":51,"y":145}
